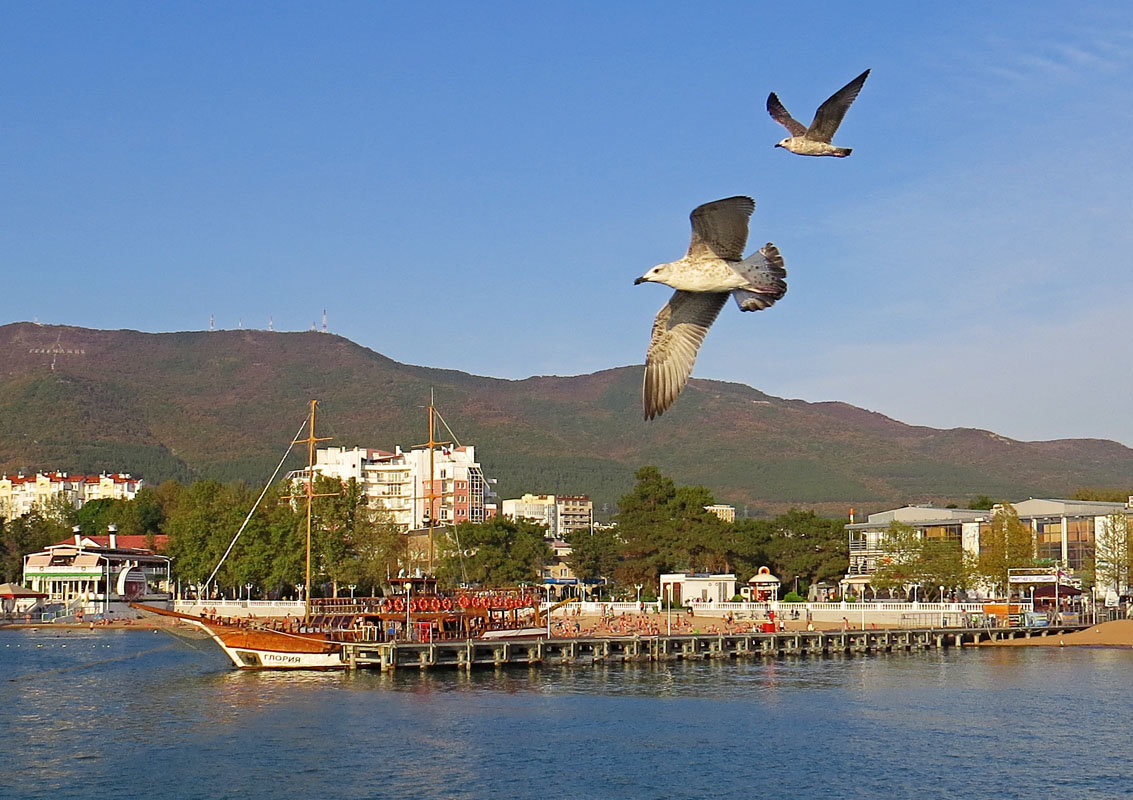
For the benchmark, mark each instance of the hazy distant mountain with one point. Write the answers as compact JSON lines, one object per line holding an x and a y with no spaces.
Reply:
{"x":225,"y":404}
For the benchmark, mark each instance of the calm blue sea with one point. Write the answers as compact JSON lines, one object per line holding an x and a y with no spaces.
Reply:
{"x":137,"y":714}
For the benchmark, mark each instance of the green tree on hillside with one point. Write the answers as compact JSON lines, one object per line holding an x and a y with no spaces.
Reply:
{"x":1102,"y":495}
{"x":807,"y":545}
{"x":749,"y":547}
{"x":594,"y":554}
{"x":1113,"y":552}
{"x":207,"y":516}
{"x":664,"y":528}
{"x":28,"y":533}
{"x":1005,"y":543}
{"x":910,"y":558}
{"x":642,"y":520}
{"x":498,"y":552}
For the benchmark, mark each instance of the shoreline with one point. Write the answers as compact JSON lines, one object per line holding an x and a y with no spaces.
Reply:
{"x":1117,"y":633}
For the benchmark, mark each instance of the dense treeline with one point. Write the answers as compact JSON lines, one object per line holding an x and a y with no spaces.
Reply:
{"x":351,"y":543}
{"x":660,"y":528}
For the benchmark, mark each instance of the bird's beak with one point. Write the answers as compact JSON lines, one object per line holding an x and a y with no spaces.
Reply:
{"x":639,"y":280}
{"x":778,"y":145}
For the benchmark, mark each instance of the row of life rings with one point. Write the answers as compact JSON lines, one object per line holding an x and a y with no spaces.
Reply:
{"x":495,"y":601}
{"x":417,"y":604}
{"x":464,"y":602}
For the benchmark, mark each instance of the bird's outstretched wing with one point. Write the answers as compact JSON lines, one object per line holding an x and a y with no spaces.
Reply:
{"x":678,"y":332}
{"x":783,"y":117}
{"x":829,"y":115}
{"x":719,"y":228}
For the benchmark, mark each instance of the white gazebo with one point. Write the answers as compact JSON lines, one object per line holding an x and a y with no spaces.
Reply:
{"x":762,"y":587}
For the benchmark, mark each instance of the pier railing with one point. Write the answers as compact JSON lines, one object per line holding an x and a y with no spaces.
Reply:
{"x":241,"y":608}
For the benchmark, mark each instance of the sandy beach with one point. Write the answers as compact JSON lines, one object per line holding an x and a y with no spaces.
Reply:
{"x":1118,"y":633}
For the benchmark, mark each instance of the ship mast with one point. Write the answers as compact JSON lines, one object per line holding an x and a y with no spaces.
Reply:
{"x":310,"y":442}
{"x":432,"y":496}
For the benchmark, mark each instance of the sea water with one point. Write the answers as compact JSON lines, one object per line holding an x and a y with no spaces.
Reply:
{"x":92,"y":714}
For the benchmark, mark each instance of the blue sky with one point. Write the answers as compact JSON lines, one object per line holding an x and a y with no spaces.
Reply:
{"x":476,"y":185}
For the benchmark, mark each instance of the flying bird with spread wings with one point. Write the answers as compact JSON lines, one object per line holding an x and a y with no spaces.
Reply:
{"x":815,"y":140}
{"x":713,"y":268}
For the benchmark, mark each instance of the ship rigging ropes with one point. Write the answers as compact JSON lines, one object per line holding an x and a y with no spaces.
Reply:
{"x":256,"y":505}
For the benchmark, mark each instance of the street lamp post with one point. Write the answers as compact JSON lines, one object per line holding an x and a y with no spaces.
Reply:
{"x":353,"y":586}
{"x":669,"y":605}
{"x":548,"y":588}
{"x":796,"y":586}
{"x":638,"y":587}
{"x":249,"y":586}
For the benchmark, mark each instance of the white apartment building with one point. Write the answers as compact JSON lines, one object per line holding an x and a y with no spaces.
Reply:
{"x":725,"y":512}
{"x":19,"y":494}
{"x":400,"y":482}
{"x":537,"y":508}
{"x":560,"y":513}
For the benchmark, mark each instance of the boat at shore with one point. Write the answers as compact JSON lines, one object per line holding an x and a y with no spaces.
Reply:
{"x":416,"y":611}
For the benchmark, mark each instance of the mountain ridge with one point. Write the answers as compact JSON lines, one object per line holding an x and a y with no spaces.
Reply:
{"x":215,"y":404}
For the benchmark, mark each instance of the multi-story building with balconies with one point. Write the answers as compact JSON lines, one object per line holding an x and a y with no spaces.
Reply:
{"x":400,"y":483}
{"x":561,"y":513}
{"x":19,"y":494}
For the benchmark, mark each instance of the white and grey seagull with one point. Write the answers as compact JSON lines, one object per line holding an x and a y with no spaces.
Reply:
{"x":713,"y":268}
{"x":815,"y":140}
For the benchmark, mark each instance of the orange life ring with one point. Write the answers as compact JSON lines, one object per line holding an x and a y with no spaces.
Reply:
{"x":463,"y":601}
{"x":513,"y":602}
{"x":479,"y":601}
{"x":446,"y":604}
{"x":384,"y":604}
{"x":399,"y":604}
{"x":434,"y":604}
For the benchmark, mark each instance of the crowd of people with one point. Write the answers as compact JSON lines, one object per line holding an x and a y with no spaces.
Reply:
{"x":573,"y":624}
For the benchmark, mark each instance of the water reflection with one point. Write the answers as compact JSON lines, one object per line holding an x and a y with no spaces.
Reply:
{"x":114,"y":710}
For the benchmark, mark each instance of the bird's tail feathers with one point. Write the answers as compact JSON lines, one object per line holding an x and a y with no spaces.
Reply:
{"x":766,"y":275}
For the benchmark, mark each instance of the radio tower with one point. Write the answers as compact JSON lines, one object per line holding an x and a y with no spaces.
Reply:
{"x":271,"y":324}
{"x":212,"y":323}
{"x":324,"y":320}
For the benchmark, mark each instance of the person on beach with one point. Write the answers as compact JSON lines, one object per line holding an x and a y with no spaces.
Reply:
{"x":845,"y":624}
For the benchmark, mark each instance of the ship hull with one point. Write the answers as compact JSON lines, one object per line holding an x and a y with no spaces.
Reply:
{"x":253,"y":648}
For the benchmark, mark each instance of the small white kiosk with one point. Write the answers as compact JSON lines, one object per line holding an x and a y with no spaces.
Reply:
{"x":762,"y":587}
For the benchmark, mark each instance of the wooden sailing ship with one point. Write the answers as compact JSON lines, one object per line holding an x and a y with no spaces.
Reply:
{"x":416,"y":610}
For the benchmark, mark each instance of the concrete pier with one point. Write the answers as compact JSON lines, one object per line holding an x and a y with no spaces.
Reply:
{"x":480,"y":653}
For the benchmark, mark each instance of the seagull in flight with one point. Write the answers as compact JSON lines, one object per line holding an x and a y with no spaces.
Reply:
{"x":713,"y":268}
{"x":815,"y":140}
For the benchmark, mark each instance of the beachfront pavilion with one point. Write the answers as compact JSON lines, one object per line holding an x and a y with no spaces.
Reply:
{"x":1065,"y":532}
{"x":89,"y":574}
{"x":17,"y":601}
